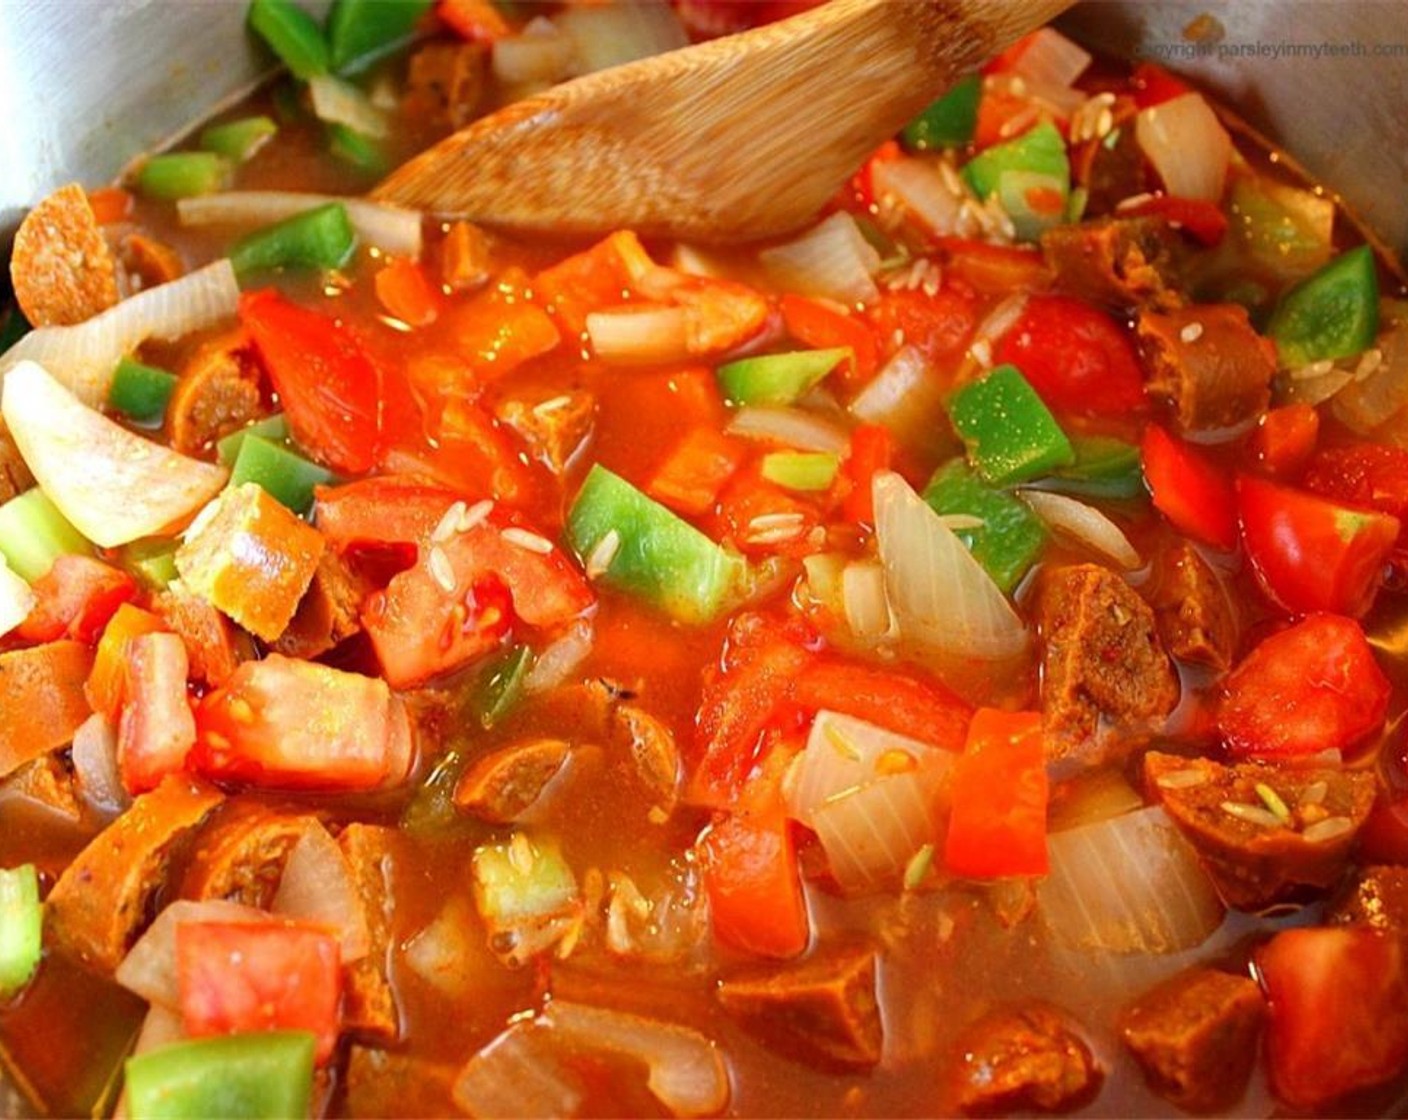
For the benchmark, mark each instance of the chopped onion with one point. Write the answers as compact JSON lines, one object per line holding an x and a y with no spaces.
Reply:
{"x":607,"y":35}
{"x":149,"y":969}
{"x":114,"y":486}
{"x":1187,"y":145}
{"x":17,"y":599}
{"x":1129,"y":884}
{"x":1050,"y":59}
{"x":518,"y":1075}
{"x":390,"y":228}
{"x":556,"y":664}
{"x":905,"y":397}
{"x":1086,"y":524}
{"x":694,"y":261}
{"x":1381,"y":394}
{"x":441,"y":953}
{"x":339,"y":102}
{"x":918,"y":187}
{"x":790,"y":427}
{"x":686,"y":1073}
{"x":832,"y":260}
{"x":160,"y":1027}
{"x":639,"y":335}
{"x":942,"y":598}
{"x":95,"y":770}
{"x":316,"y":886}
{"x":871,"y":833}
{"x":1090,"y":797}
{"x":863,"y":599}
{"x":84,"y":356}
{"x":540,"y":53}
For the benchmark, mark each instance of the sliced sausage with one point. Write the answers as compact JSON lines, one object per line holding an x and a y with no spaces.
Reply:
{"x":240,"y":855}
{"x":1195,"y":616}
{"x":1119,"y":262}
{"x":150,"y":262}
{"x":369,"y":1004}
{"x":554,"y":429}
{"x":1378,"y":897}
{"x":1028,"y":1058}
{"x":215,"y":647}
{"x":328,"y":613}
{"x":62,"y":269}
{"x":655,"y":757}
{"x":503,"y":785}
{"x":217,"y":394}
{"x":102,"y":900}
{"x":46,"y":781}
{"x":42,"y":700}
{"x":445,"y":83}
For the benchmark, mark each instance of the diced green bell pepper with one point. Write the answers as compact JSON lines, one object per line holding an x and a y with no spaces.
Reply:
{"x":499,"y":686}
{"x":238,"y":140}
{"x":521,"y":881}
{"x":33,"y":534}
{"x":140,"y":391}
{"x":21,"y":927}
{"x":1104,"y":468}
{"x":292,"y":34}
{"x":286,"y":476}
{"x":361,"y":30}
{"x":777,"y":379}
{"x":1034,"y":201}
{"x":273,"y":428}
{"x":950,"y":121}
{"x":1331,"y":314}
{"x":654,"y":554}
{"x":183,"y":175}
{"x":258,"y":1076}
{"x":1039,"y":151}
{"x":319,"y":238}
{"x":153,"y":561}
{"x":1009,"y":433}
{"x":358,"y":151}
{"x":1011,"y":535}
{"x":801,"y":470}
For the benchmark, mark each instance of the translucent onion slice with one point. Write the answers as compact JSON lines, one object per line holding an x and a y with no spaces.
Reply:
{"x":558,"y":661}
{"x":790,"y":427}
{"x":1049,"y":58}
{"x":832,"y":260}
{"x":1187,"y":145}
{"x":149,"y":969}
{"x":1128,"y":884}
{"x":864,"y":602}
{"x":871,"y":833}
{"x":17,"y":599}
{"x":339,"y":102}
{"x":84,"y":356}
{"x":540,"y":53}
{"x":941,"y":597}
{"x":1381,"y":393}
{"x":1086,"y":524}
{"x":441,"y":953}
{"x":518,"y":1075}
{"x":639,"y":335}
{"x":391,"y":229}
{"x":917,"y":187}
{"x":316,"y":886}
{"x":905,"y":397}
{"x":607,"y":35}
{"x":112,"y":485}
{"x":95,"y":770}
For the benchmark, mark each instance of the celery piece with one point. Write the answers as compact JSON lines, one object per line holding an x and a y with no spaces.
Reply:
{"x":273,"y":428}
{"x":357,"y":150}
{"x":775,"y":379}
{"x":1009,"y":433}
{"x":285,"y":475}
{"x":521,"y":881}
{"x":183,"y":175}
{"x":266,"y":1075}
{"x":21,"y":926}
{"x":292,"y":34}
{"x":319,"y":238}
{"x":801,"y":470}
{"x":140,"y":391}
{"x":1039,"y":151}
{"x":153,"y":561}
{"x":238,"y":140}
{"x":361,"y":30}
{"x":33,"y":534}
{"x":1010,"y":536}
{"x":950,"y":121}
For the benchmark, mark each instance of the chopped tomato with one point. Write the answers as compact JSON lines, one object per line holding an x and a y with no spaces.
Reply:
{"x":888,"y":698}
{"x":404,"y":291}
{"x":998,"y":270}
{"x":235,"y":977}
{"x":476,"y":20}
{"x":1312,"y":687}
{"x":821,"y":327}
{"x":696,"y":469}
{"x":1193,"y":494}
{"x":1310,"y":553}
{"x":939,"y":323}
{"x":1075,"y":356}
{"x":872,"y":450}
{"x":329,"y":388}
{"x":1204,"y":220}
{"x":999,"y":795}
{"x":106,"y":681}
{"x":385,"y":512}
{"x":77,"y":597}
{"x":762,"y":519}
{"x":589,"y":281}
{"x":1153,"y":85}
{"x":754,"y":888}
{"x":1285,"y":439}
{"x":1338,"y":999}
{"x":1000,"y":110}
{"x":1368,"y":475}
{"x":111,"y":205}
{"x":474,"y":453}
{"x":156,"y":730}
{"x":289,"y":724}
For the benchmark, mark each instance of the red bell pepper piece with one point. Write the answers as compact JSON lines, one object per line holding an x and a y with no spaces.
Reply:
{"x":999,"y":793}
{"x":821,"y":327}
{"x":499,"y":330}
{"x":754,"y":889}
{"x":872,"y":450}
{"x":997,"y":270}
{"x":696,"y":470}
{"x":1193,"y":494}
{"x":1285,"y":439}
{"x":404,"y":291}
{"x":77,"y":597}
{"x":156,"y":730}
{"x":1153,"y":85}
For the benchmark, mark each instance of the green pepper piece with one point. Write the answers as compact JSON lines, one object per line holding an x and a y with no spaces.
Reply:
{"x":950,"y":121}
{"x":431,"y":810}
{"x":1033,"y":200}
{"x":152,"y":560}
{"x":361,"y":30}
{"x":238,"y":140}
{"x":33,"y":534}
{"x":634,"y":543}
{"x":358,"y":150}
{"x":140,"y":391}
{"x":777,"y":379}
{"x":1011,"y":535}
{"x":1039,"y":151}
{"x":21,"y":926}
{"x":1009,"y":433}
{"x":284,"y":475}
{"x":292,"y":34}
{"x":1104,"y":468}
{"x":801,"y":470}
{"x":1284,"y":228}
{"x":319,"y":238}
{"x":263,"y":1076}
{"x":183,"y":175}
{"x":1333,"y":313}
{"x":272,"y":428}
{"x":500,"y":686}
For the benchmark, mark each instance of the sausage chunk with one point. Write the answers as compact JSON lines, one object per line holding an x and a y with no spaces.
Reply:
{"x":368,"y":1003}
{"x":328,"y":613}
{"x":217,"y":394}
{"x":62,"y":269}
{"x":1207,"y":363}
{"x":215,"y":647}
{"x":45,"y":685}
{"x":241,"y":854}
{"x":1378,"y":897}
{"x":1195,"y":1037}
{"x":1263,"y":830}
{"x":1119,"y":262}
{"x":555,"y":429}
{"x":1194,"y":614}
{"x":445,"y":82}
{"x":825,"y":1006}
{"x":503,"y":785}
{"x":47,"y":782}
{"x":1029,"y":1058}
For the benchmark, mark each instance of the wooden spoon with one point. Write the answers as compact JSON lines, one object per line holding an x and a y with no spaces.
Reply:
{"x":730,"y":140}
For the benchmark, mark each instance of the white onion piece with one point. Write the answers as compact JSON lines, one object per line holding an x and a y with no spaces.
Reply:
{"x":790,"y":427}
{"x":17,"y":599}
{"x":441,"y":953}
{"x":559,"y":660}
{"x":149,"y":969}
{"x":1187,"y":145}
{"x":390,"y":228}
{"x":870,"y":834}
{"x":112,"y":485}
{"x":339,"y":102}
{"x":1381,"y":394}
{"x":694,"y":261}
{"x":863,"y":599}
{"x":606,"y":35}
{"x":540,"y":53}
{"x":1084,"y":523}
{"x":832,"y":260}
{"x":316,"y":886}
{"x":161,"y":1026}
{"x":1051,"y":59}
{"x":686,"y":1073}
{"x":84,"y":356}
{"x":639,"y":336}
{"x":917,"y":187}
{"x":518,"y":1075}
{"x":1129,"y":884}
{"x":906,"y":397}
{"x":95,"y":770}
{"x":941,"y":597}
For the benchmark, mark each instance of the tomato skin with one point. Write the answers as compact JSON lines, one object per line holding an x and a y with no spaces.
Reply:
{"x":1312,"y":687}
{"x":999,"y":795}
{"x":156,"y":730}
{"x":383,"y":512}
{"x":1284,"y":439}
{"x":77,"y":597}
{"x":1195,"y":497}
{"x":256,"y":976}
{"x":1312,"y":554}
{"x":1338,"y":997}
{"x":754,"y":887}
{"x":1075,"y":356}
{"x":1368,"y":475}
{"x":938,"y":324}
